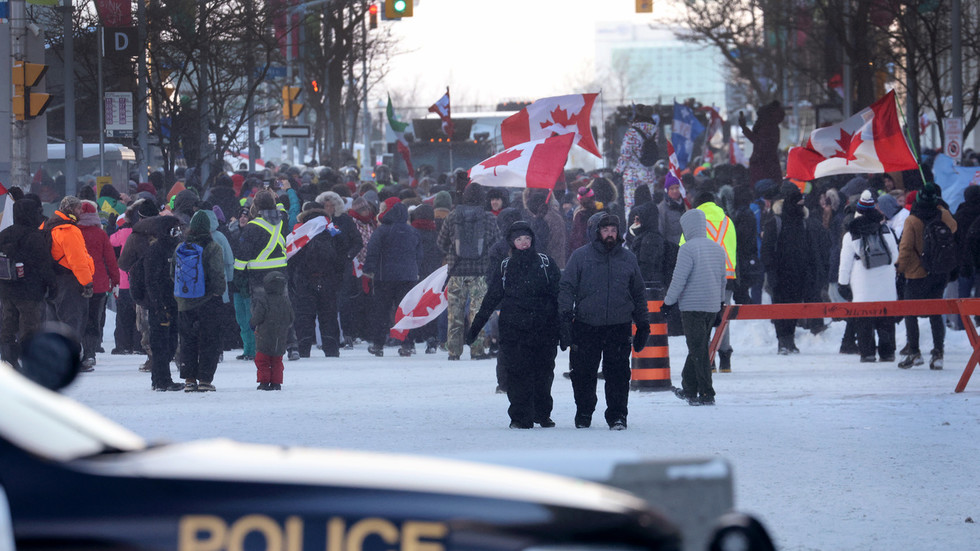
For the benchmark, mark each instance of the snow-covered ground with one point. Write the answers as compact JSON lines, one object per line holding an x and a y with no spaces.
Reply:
{"x":830,"y":453}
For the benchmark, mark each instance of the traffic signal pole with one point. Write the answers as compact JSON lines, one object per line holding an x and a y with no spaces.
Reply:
{"x":71,"y":137}
{"x":20,"y":162}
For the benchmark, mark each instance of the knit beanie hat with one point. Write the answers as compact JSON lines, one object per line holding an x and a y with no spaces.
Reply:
{"x":928,"y":197}
{"x":89,"y":207}
{"x":443,"y":200}
{"x":866,"y":203}
{"x":200,"y":225}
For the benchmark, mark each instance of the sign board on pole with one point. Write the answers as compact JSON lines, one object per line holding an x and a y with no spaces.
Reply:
{"x":954,"y":138}
{"x":118,"y":114}
{"x":298,"y":131}
{"x":101,"y":181}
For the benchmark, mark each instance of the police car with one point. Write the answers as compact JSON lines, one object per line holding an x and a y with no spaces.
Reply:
{"x":72,"y":479}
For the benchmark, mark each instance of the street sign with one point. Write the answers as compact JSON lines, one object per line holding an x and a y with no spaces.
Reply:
{"x":954,"y":138}
{"x":118,"y":112}
{"x":302,"y":131}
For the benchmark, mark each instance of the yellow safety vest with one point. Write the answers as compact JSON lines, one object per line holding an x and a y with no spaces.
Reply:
{"x":266,"y":259}
{"x":721,"y":231}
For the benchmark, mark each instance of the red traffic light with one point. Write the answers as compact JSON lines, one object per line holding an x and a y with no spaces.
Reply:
{"x":373,"y":9}
{"x":316,"y":86}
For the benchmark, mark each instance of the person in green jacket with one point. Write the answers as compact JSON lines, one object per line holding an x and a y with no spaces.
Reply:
{"x":199,"y":283}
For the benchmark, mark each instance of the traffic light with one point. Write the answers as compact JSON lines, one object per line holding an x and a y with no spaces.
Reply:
{"x":373,"y":13}
{"x":397,"y":9}
{"x":290,"y":107}
{"x":315,"y":85}
{"x":644,"y":6}
{"x":28,"y":104}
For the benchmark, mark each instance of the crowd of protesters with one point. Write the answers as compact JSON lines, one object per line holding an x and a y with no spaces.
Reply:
{"x":517,"y":260}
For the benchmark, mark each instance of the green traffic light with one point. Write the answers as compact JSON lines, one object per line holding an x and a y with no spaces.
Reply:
{"x":399,"y":6}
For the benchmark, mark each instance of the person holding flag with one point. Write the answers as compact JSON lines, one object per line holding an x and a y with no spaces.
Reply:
{"x":633,"y":164}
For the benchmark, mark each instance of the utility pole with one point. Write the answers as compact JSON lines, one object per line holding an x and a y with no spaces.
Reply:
{"x":143,"y":92}
{"x":71,"y":137}
{"x":20,"y":161}
{"x":366,"y":158}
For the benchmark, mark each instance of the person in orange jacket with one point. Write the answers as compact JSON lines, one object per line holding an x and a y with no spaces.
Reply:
{"x":74,"y":267}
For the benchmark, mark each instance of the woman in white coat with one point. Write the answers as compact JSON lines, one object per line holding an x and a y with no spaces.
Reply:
{"x":861,"y":283}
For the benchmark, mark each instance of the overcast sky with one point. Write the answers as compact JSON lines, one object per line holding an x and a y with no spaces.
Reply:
{"x":490,"y":51}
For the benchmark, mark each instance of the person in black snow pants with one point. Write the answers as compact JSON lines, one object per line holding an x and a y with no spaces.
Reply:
{"x":525,"y":286}
{"x":601,"y":291}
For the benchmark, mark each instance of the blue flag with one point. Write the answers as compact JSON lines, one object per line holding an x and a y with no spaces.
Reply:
{"x":953,"y":179}
{"x":685,"y":129}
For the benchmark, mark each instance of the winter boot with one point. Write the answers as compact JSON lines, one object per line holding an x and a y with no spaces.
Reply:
{"x":936,"y":362}
{"x":725,"y":361}
{"x":348,"y":343}
{"x":912,"y":358}
{"x":378,"y":351}
{"x":431,"y":346}
{"x":405,"y":351}
{"x":784,"y":347}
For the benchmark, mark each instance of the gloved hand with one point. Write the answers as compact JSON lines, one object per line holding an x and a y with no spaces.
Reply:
{"x":845,"y":292}
{"x":721,"y":312}
{"x":565,"y":334}
{"x":88,"y":290}
{"x":666,"y":309}
{"x":640,"y":338}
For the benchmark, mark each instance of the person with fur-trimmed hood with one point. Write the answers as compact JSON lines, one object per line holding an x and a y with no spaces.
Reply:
{"x":315,"y":273}
{"x":525,"y":286}
{"x":601,"y":291}
{"x":104,"y":279}
{"x":789,"y":258}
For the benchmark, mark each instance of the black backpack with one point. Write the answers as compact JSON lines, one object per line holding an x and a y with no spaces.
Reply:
{"x":874,"y":250}
{"x":939,"y":252}
{"x":649,"y":153}
{"x":470,"y":232}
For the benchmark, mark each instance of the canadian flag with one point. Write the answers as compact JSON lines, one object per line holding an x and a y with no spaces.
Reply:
{"x":535,"y":164}
{"x":422,"y":304}
{"x":444,"y":110}
{"x":869,"y":142}
{"x":735,"y":154}
{"x":555,"y":115}
{"x":673,"y":172}
{"x":303,"y":234}
{"x":714,"y":122}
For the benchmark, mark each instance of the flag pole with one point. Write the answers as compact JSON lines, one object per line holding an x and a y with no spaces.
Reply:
{"x":908,"y":138}
{"x":452,"y":165}
{"x":602,"y":127}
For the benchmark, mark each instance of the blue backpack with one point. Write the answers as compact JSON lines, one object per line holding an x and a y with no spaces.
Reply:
{"x":189,"y":271}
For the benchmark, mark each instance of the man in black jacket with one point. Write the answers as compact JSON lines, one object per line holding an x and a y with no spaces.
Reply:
{"x":28,"y":275}
{"x":160,"y":301}
{"x":601,"y":290}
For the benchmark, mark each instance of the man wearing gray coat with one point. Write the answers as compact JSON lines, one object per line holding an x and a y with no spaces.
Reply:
{"x":698,"y":290}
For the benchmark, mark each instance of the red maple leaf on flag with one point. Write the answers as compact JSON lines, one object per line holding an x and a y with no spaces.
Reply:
{"x":502,"y":159}
{"x":848,"y":146}
{"x":560,"y":117}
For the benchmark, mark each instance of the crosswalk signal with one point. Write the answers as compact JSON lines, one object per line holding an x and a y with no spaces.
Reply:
{"x":373,"y":13}
{"x":644,"y":6}
{"x":27,"y":104}
{"x":397,"y":9}
{"x":290,"y":107}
